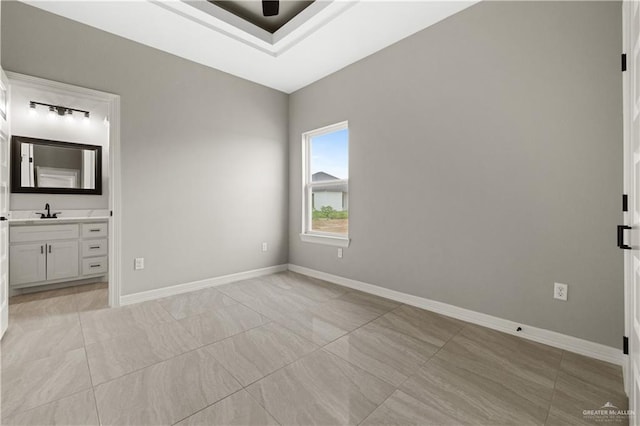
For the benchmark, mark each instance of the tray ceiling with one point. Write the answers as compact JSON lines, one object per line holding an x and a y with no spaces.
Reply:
{"x":320,"y":39}
{"x":251,"y":10}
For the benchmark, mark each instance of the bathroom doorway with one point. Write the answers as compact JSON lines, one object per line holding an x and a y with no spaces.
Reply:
{"x":103,"y":110}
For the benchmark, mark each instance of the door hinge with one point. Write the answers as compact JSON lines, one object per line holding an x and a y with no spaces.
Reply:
{"x":625,"y":203}
{"x":625,"y":345}
{"x":2,"y":218}
{"x":621,"y":244}
{"x":110,"y":212}
{"x":624,"y":62}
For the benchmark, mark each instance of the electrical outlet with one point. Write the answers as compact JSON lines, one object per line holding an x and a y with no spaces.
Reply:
{"x":339,"y":253}
{"x":560,"y":291}
{"x":139,"y":263}
{"x":265,"y":247}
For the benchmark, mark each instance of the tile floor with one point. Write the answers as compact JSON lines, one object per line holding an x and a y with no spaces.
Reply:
{"x":283,"y":349}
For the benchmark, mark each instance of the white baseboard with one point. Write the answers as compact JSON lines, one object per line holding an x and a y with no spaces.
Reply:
{"x":551,"y":338}
{"x":144,"y":296}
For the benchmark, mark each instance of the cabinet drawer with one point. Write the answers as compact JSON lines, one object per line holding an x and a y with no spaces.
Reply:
{"x":22,"y":234}
{"x":94,"y":265}
{"x":94,"y":248}
{"x":91,"y":230}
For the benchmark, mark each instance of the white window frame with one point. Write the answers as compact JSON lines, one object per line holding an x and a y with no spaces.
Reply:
{"x":309,"y":235}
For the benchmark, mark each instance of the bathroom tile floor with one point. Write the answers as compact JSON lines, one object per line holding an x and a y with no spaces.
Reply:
{"x":282,"y":349}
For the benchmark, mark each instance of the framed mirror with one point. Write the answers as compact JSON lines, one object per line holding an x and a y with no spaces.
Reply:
{"x":53,"y":167}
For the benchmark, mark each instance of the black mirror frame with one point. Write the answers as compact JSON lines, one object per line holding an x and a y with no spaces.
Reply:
{"x":16,"y":185}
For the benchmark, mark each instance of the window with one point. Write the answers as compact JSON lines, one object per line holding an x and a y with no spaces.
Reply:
{"x":326,"y":185}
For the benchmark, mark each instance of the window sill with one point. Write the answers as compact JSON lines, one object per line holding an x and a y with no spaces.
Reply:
{"x":326,"y":240}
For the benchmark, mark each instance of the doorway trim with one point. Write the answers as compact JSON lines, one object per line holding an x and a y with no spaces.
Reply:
{"x":626,"y":188}
{"x":115,"y":183}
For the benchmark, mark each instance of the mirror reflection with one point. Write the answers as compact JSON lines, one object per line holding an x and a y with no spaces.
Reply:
{"x":55,"y":167}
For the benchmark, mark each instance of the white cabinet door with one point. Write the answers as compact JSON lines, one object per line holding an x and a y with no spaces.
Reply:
{"x":28,"y":264}
{"x":62,"y":260}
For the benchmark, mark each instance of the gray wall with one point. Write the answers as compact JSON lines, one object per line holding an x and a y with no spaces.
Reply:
{"x":486,"y":158}
{"x":204,"y":154}
{"x":485,"y":164}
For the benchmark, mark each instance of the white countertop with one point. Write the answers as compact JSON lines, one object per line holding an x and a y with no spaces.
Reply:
{"x":32,"y":217}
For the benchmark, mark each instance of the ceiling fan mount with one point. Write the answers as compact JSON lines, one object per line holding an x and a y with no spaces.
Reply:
{"x":270,"y":7}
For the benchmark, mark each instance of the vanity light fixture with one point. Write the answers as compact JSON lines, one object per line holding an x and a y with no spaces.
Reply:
{"x":59,"y":109}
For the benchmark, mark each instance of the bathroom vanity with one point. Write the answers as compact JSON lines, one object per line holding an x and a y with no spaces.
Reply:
{"x":56,"y":247}
{"x":43,"y":252}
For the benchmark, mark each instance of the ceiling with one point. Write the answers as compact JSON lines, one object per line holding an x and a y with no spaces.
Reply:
{"x":322,"y":38}
{"x":251,"y":10}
